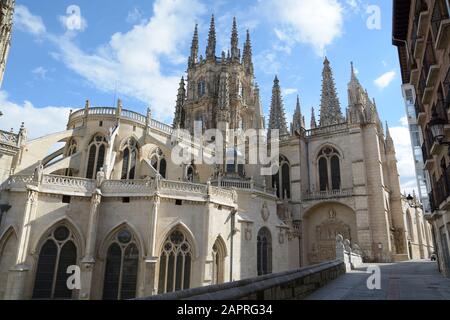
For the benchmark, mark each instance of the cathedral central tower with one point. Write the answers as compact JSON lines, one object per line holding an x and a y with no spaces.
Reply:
{"x":219,"y":90}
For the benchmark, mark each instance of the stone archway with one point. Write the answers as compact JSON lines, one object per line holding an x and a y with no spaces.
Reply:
{"x":323,"y":223}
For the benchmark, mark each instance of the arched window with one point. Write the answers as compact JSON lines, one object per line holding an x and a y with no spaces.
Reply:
{"x":281,"y":180}
{"x":8,"y":253}
{"x":72,"y":148}
{"x":235,"y":162}
{"x":218,"y":253}
{"x":158,"y":162}
{"x":191,"y":173}
{"x":175,"y":263}
{"x":56,"y":255}
{"x":264,"y":252}
{"x":201,"y":88}
{"x":96,"y":157}
{"x":129,"y":160}
{"x":329,"y":169}
{"x":121,"y":270}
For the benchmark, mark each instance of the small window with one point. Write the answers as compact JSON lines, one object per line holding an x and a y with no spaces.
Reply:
{"x":65,"y":199}
{"x":126,"y":199}
{"x":100,"y":124}
{"x":178,"y":202}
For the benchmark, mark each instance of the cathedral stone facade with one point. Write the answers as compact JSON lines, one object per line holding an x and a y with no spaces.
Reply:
{"x":6,"y":21}
{"x":113,"y":203}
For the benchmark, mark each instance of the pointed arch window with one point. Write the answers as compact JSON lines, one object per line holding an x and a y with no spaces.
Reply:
{"x":158,"y":162}
{"x":329,"y":169}
{"x":96,"y":156}
{"x":71,"y":150}
{"x":55,"y":256}
{"x":218,"y":253}
{"x":201,"y":88}
{"x":121,"y":270}
{"x":130,"y":153}
{"x":264,"y":251}
{"x":175,"y":263}
{"x":282,"y":179}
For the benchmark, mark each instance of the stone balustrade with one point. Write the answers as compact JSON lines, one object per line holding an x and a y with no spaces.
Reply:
{"x":319,"y":195}
{"x":327,"y":130}
{"x":289,"y":285}
{"x":241,"y":184}
{"x":120,"y":188}
{"x":9,"y":138}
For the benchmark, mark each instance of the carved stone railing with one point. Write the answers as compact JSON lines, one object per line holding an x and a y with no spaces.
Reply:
{"x":241,"y":185}
{"x":326,"y":130}
{"x":351,"y":256}
{"x":128,"y":114}
{"x":102,"y":111}
{"x":167,"y":185}
{"x":223,"y":193}
{"x":154,"y":124}
{"x":328,"y":194}
{"x":67,"y":184}
{"x":127,"y":187}
{"x":9,"y":138}
{"x":17,"y":182}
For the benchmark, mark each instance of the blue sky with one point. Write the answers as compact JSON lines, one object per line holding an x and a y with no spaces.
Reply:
{"x":137,"y":50}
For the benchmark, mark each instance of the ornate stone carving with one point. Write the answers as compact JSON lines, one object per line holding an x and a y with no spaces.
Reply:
{"x":265,"y":212}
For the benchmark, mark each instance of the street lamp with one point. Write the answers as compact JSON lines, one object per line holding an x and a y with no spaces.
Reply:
{"x":437,"y":128}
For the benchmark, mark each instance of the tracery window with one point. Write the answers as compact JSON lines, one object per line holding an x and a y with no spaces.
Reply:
{"x":71,"y":150}
{"x":96,"y":156}
{"x":121,"y":270}
{"x":130,"y":153}
{"x":201,"y":88}
{"x":158,"y":162}
{"x":264,"y":252}
{"x":55,"y":256}
{"x":281,"y":180}
{"x":218,"y":253}
{"x":175,"y":263}
{"x":329,"y":169}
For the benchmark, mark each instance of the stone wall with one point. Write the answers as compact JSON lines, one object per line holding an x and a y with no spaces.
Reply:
{"x":288,"y":285}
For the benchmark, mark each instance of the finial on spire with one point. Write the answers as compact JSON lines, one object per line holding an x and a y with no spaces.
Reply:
{"x":277,"y":119}
{"x":235,"y":53}
{"x":247,"y":56}
{"x":330,"y":108}
{"x":313,"y":119}
{"x":297,"y":119}
{"x":194,"y":47}
{"x":211,"y":48}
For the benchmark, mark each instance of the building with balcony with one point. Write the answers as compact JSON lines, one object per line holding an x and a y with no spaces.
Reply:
{"x":114,"y":201}
{"x":421,"y":32}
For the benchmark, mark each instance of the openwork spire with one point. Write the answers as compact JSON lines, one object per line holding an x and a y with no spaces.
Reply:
{"x":211,"y":48}
{"x":178,"y":120}
{"x":313,"y":124}
{"x":277,"y":118}
{"x":223,"y":112}
{"x":194,"y":47}
{"x":330,"y":108}
{"x":247,"y":55}
{"x":235,"y":52}
{"x":389,"y":140}
{"x":297,"y":119}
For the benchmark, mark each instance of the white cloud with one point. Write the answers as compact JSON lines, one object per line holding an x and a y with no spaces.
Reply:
{"x":404,"y":154}
{"x":135,"y":16}
{"x":385,"y":79}
{"x":131,"y":62}
{"x":73,"y":21}
{"x":40,"y":72}
{"x":289,"y":91}
{"x":38,"y":121}
{"x":267,"y":62}
{"x":24,"y":20}
{"x":317,"y":23}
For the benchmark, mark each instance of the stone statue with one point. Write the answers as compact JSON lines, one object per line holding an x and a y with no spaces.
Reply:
{"x":100,"y":177}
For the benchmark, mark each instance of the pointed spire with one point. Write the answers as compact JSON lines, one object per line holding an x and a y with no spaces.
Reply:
{"x":235,"y":52}
{"x":330,"y":109}
{"x":223,"y":114}
{"x":247,"y":56}
{"x":297,"y":119}
{"x":178,"y":120}
{"x":389,"y":140}
{"x":194,"y":47}
{"x":277,"y":118}
{"x":211,"y":48}
{"x":259,"y":116}
{"x":313,"y":124}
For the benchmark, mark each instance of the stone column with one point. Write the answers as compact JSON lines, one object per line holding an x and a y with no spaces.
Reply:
{"x":17,"y":276}
{"x":150,"y":278}
{"x":88,"y":262}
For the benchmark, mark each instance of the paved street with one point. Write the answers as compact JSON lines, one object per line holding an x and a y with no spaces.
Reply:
{"x":412,"y":280}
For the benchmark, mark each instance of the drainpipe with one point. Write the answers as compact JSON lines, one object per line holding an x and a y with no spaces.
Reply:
{"x":232,"y":223}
